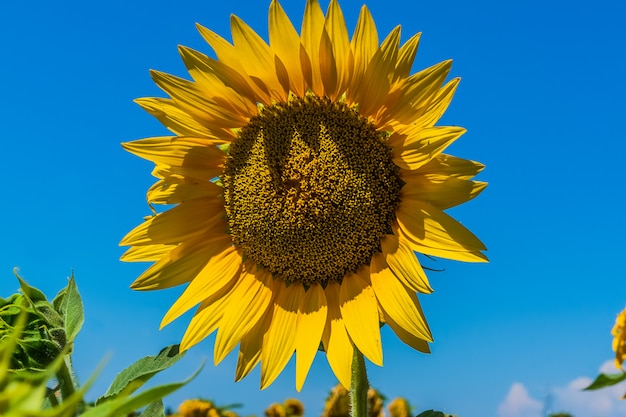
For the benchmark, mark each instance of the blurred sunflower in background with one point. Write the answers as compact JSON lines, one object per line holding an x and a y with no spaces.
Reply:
{"x":619,"y":339}
{"x":305,"y":174}
{"x":338,"y":403}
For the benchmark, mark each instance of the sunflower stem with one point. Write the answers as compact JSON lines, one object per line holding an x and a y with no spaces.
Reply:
{"x":358,"y":386}
{"x":65,"y":376}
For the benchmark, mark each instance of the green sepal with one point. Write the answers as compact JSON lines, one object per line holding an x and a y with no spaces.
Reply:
{"x":40,"y":352}
{"x":8,"y":311}
{"x":70,"y":305}
{"x":606,"y":380}
{"x":48,"y":313}
{"x":224,"y":147}
{"x":32,"y":293}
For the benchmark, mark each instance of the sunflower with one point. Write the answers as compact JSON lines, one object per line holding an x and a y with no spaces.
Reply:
{"x":305,"y":174}
{"x":619,"y":339}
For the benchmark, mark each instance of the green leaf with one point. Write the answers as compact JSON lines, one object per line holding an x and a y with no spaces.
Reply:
{"x":69,"y":304}
{"x":124,"y":404}
{"x":155,"y":409}
{"x":606,"y":380}
{"x":433,"y":413}
{"x":31,"y":293}
{"x":133,"y":377}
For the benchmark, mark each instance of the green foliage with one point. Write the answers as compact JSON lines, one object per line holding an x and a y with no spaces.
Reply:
{"x":125,"y":404}
{"x":36,"y":342}
{"x":69,"y":304}
{"x":23,"y":393}
{"x":432,"y":413}
{"x":155,"y":409}
{"x":43,"y":337}
{"x":606,"y":380}
{"x":133,"y":377}
{"x":36,"y":377}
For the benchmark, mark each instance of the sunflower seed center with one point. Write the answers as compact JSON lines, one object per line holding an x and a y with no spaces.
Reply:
{"x":310,"y":189}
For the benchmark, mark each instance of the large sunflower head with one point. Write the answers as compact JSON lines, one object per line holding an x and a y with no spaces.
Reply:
{"x":305,"y":174}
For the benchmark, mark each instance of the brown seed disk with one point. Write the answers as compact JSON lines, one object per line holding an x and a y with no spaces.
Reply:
{"x":310,"y":189}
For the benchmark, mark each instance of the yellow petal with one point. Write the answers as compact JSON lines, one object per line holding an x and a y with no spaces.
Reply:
{"x":449,"y":166}
{"x":359,"y":310}
{"x":412,"y":152}
{"x":406,"y":56}
{"x":162,"y":171}
{"x":279,"y":341}
{"x":251,"y":297}
{"x":251,"y":345}
{"x":177,"y":190}
{"x":397,"y":301}
{"x":364,"y":45}
{"x":285,"y":42}
{"x":182,"y":264}
{"x":374,"y":88}
{"x":390,"y":44}
{"x":187,"y":157}
{"x":441,"y":191}
{"x":229,"y":57}
{"x":149,"y":253}
{"x":337,"y":344}
{"x":335,"y":26}
{"x":193,"y":100}
{"x":311,"y":35}
{"x":205,"y":320}
{"x":433,"y":232}
{"x":404,"y":264}
{"x":448,"y":254}
{"x":224,"y":51}
{"x":235,"y":79}
{"x":216,"y":84}
{"x":173,"y":226}
{"x":410,"y":99}
{"x":257,"y":57}
{"x":175,"y":119}
{"x":307,"y":70}
{"x":218,"y":276}
{"x":411,"y":340}
{"x":438,"y":105}
{"x":328,"y":66}
{"x":311,"y":321}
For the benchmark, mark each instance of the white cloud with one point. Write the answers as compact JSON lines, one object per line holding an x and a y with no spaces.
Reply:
{"x":571,"y":398}
{"x":605,"y":402}
{"x":609,"y":367}
{"x":518,"y":403}
{"x":583,"y":403}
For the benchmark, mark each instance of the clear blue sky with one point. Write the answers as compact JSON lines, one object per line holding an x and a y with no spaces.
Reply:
{"x":542,"y":96}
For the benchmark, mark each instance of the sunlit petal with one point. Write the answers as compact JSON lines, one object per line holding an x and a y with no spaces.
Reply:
{"x":360,"y":315}
{"x":337,"y":344}
{"x":279,"y":341}
{"x":311,"y":322}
